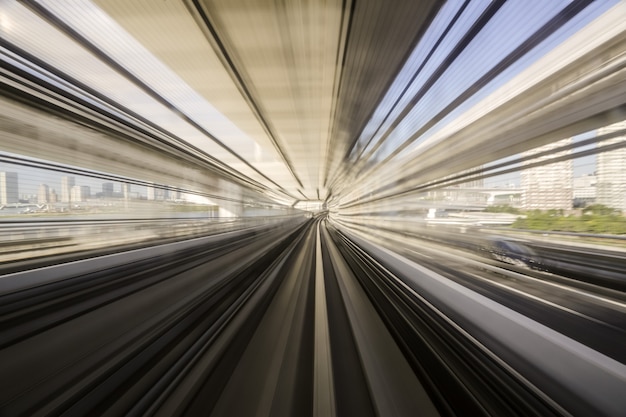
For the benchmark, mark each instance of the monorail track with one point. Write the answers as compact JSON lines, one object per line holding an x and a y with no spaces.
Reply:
{"x":298,"y":320}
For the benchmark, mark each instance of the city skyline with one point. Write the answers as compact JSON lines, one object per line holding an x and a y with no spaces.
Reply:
{"x":68,"y":188}
{"x":30,"y":179}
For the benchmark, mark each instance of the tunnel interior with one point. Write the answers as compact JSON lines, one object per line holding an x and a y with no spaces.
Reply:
{"x":312,"y":208}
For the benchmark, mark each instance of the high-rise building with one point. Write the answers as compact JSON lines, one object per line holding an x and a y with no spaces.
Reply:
{"x":584,"y":191}
{"x":80,"y":193}
{"x":150,"y":193}
{"x":9,"y":192}
{"x":107,"y":189}
{"x":161,"y":194}
{"x":547,"y":186}
{"x":66,"y":188}
{"x":611,"y":170}
{"x":126,"y":190}
{"x":175,"y":194}
{"x":54,"y":198}
{"x":43,"y":196}
{"x":466,"y":194}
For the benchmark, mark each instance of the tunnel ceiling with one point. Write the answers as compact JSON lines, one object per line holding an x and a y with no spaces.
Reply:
{"x":276,"y":90}
{"x":298,"y":78}
{"x":301,"y":97}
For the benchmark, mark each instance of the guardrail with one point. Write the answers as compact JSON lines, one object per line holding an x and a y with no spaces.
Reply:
{"x":38,"y":238}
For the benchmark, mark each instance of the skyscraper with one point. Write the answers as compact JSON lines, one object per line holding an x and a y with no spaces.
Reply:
{"x":66,"y":188}
{"x":150,"y":193}
{"x":547,"y":186}
{"x":584,"y":190}
{"x":9,"y":192}
{"x":611,"y":170}
{"x":80,"y":193}
{"x":107,"y":189}
{"x":126,"y":190}
{"x":161,"y":194}
{"x":43,"y":196}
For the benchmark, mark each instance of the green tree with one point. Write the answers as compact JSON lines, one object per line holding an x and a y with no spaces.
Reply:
{"x":599,"y":209}
{"x":504,"y":208}
{"x":597,"y":219}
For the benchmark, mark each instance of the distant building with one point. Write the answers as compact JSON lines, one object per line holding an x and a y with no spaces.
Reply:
{"x":584,"y":191}
{"x":9,"y":192}
{"x":161,"y":194}
{"x":107,"y":190}
{"x":175,"y":194}
{"x":547,"y":186}
{"x":467,"y":195}
{"x":54,"y":197}
{"x":75,"y":194}
{"x":126,"y":190}
{"x":611,"y":170}
{"x":158,"y":193}
{"x":66,"y":188}
{"x":28,"y":198}
{"x":43,"y":195}
{"x":80,"y":193}
{"x":150,"y":193}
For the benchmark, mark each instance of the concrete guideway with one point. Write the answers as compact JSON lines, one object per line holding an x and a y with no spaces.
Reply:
{"x":306,"y":319}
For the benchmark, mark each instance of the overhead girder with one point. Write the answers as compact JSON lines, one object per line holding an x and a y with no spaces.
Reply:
{"x":572,"y":89}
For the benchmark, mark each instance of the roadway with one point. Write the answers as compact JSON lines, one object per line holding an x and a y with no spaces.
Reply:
{"x":591,"y":314}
